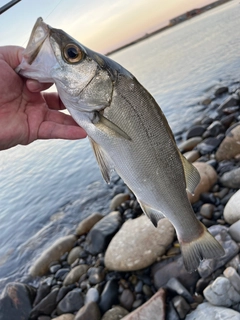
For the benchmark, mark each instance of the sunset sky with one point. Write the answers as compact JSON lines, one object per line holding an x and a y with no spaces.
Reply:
{"x":101,"y":25}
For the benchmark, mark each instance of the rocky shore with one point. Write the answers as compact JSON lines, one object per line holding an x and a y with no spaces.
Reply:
{"x":119,"y":266}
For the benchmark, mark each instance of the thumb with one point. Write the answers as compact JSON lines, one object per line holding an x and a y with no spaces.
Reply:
{"x":12,"y":55}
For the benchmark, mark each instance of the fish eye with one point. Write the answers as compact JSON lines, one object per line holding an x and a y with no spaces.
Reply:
{"x":72,"y":53}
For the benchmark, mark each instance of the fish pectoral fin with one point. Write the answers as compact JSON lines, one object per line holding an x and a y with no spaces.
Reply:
{"x":103,"y":160}
{"x":110,"y":128}
{"x":153,"y":214}
{"x":192,"y":175}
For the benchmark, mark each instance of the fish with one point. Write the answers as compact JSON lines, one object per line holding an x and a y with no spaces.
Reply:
{"x":128,"y":132}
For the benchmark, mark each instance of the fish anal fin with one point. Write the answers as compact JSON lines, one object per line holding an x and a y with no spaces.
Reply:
{"x":203,"y":247}
{"x":192,"y":175}
{"x":153,"y":214}
{"x":103,"y":161}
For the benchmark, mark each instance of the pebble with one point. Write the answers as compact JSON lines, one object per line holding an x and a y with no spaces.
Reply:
{"x":231,"y":211}
{"x":231,"y":274}
{"x":234,"y":231}
{"x":72,"y":302}
{"x":89,"y":311}
{"x":195,"y":131}
{"x":96,"y":275}
{"x":74,"y":254}
{"x":181,"y":305}
{"x":43,"y":290}
{"x":207,"y":210}
{"x":126,"y":299}
{"x":116,"y":313}
{"x":230,"y":146}
{"x":109,"y":296}
{"x":207,"y":311}
{"x":229,"y":102}
{"x":118,"y":200}
{"x":189,"y":144}
{"x":86,"y":225}
{"x":138,"y":244}
{"x":66,"y":316}
{"x":58,"y":248}
{"x":46,"y":306}
{"x":231,"y":179}
{"x":92,"y":295}
{"x":220,"y":90}
{"x":208,"y":145}
{"x":176,"y":286}
{"x":75,"y":274}
{"x":192,"y":155}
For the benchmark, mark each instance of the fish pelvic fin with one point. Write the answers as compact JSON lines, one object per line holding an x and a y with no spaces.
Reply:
{"x":153,"y":214}
{"x":203,"y":247}
{"x":192,"y":175}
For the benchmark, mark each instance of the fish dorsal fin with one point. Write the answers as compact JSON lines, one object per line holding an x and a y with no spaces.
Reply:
{"x":153,"y":214}
{"x":110,"y":128}
{"x":103,"y":160}
{"x":192,"y":175}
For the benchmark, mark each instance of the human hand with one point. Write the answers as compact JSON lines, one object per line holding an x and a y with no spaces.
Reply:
{"x":26,"y":113}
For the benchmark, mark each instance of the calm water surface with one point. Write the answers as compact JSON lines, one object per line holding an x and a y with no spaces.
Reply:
{"x":49,"y":186}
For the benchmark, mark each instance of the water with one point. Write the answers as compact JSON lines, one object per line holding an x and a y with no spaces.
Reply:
{"x":49,"y":186}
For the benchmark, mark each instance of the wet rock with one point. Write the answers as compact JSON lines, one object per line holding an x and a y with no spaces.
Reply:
{"x":118,"y":200}
{"x":208,"y":145}
{"x":229,"y":102}
{"x":101,"y":234}
{"x":72,"y":302}
{"x":220,"y":90}
{"x":207,"y":210}
{"x":92,"y":295}
{"x":231,"y":274}
{"x":221,"y":293}
{"x":181,"y":305}
{"x":74,"y":254}
{"x":138,"y":244}
{"x":63,"y":291}
{"x":171,"y":312}
{"x":86,"y":225}
{"x":42,"y":291}
{"x":62,"y":245}
{"x":96,"y":275}
{"x":231,"y":179}
{"x":192,"y":155}
{"x":208,"y":179}
{"x":230,"y":146}
{"x":215,"y":129}
{"x":109,"y":296}
{"x":207,"y":311}
{"x":234,"y":231}
{"x":45,"y":306}
{"x":75,"y":274}
{"x":66,"y":316}
{"x":61,"y":274}
{"x":195,"y":131}
{"x":208,"y":266}
{"x":116,"y":313}
{"x":15,"y":301}
{"x":153,"y":309}
{"x":176,"y":286}
{"x":189,"y":144}
{"x":127,"y":299}
{"x":231,"y":211}
{"x":89,"y":311}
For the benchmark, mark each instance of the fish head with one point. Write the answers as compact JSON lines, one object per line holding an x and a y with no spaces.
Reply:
{"x":84,"y":78}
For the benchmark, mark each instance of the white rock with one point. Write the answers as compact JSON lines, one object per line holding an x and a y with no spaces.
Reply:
{"x":231,"y":211}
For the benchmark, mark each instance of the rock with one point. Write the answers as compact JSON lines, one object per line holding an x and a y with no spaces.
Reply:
{"x":231,"y":274}
{"x":176,"y":286}
{"x":71,"y":303}
{"x":42,"y":291}
{"x":138,"y":244}
{"x":220,"y":90}
{"x":45,"y":306}
{"x":62,"y":245}
{"x":116,"y":313}
{"x":86,"y":225}
{"x":207,"y":210}
{"x":230,"y":247}
{"x":61,"y":274}
{"x":101,"y":234}
{"x":89,"y":311}
{"x":189,"y":144}
{"x":118,"y":199}
{"x":74,"y":254}
{"x":164,"y":270}
{"x":15,"y":301}
{"x":181,"y":305}
{"x":207,"y":311}
{"x":63,"y":291}
{"x":192,"y":155}
{"x":96,"y":275}
{"x":208,"y":145}
{"x":230,"y":146}
{"x":92,"y":295}
{"x":234,"y":231}
{"x":54,"y":268}
{"x":231,"y":211}
{"x":229,"y":102}
{"x":215,"y":128}
{"x":208,"y":179}
{"x":75,"y":274}
{"x":127,"y":299}
{"x":195,"y":131}
{"x":171,"y":312}
{"x":221,"y":293}
{"x":66,"y":316}
{"x":109,"y":296}
{"x":153,"y":309}
{"x":231,"y":179}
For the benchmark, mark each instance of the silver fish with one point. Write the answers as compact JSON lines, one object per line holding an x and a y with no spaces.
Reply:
{"x":127,"y":129}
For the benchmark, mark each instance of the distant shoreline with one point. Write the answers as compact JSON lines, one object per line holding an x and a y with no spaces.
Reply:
{"x":171,"y":24}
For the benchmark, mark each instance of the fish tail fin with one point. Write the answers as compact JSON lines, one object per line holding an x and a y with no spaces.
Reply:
{"x":203,"y":247}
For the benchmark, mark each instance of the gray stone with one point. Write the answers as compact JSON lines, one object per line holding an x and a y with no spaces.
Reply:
{"x":153,"y":309}
{"x":215,"y":128}
{"x":118,"y":199}
{"x":229,"y":102}
{"x":54,"y":253}
{"x":66,"y":316}
{"x":231,"y":211}
{"x":75,"y":274}
{"x":138,"y":244}
{"x":74,"y":254}
{"x":207,"y":210}
{"x":101,"y":234}
{"x":232,"y":275}
{"x":71,"y":303}
{"x":92,"y":295}
{"x":234,"y":231}
{"x":208,"y":266}
{"x":221,"y":293}
{"x":231,"y":179}
{"x":208,"y":145}
{"x":189,"y":144}
{"x":181,"y":305}
{"x":116,"y":313}
{"x":126,"y":299}
{"x":220,"y":90}
{"x":230,"y":146}
{"x":89,"y":311}
{"x":109,"y":296}
{"x":195,"y":131}
{"x":45,"y":306}
{"x":96,"y":274}
{"x":174,"y":285}
{"x":207,"y":311}
{"x":86,"y":225}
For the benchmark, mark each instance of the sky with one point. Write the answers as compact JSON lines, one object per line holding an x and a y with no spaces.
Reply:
{"x":102,"y":25}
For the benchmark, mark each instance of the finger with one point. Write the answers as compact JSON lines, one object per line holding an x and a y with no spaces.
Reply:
{"x":36,"y":86}
{"x":53,"y":101}
{"x":52,"y":130}
{"x":12,"y":55}
{"x":60,"y":117}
